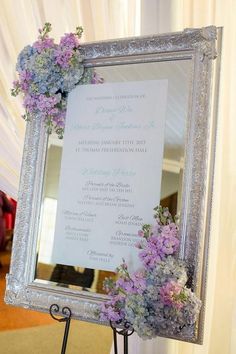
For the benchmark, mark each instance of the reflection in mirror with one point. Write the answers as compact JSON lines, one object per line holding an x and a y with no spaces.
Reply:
{"x":178,"y":75}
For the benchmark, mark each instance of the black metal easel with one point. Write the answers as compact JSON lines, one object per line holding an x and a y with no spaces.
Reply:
{"x":124,"y":329}
{"x":121,"y":328}
{"x":66,"y":312}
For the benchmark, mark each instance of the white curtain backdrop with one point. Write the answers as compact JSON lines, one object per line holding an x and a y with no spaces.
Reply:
{"x":220,"y":322}
{"x":19,"y":24}
{"x":220,"y":336}
{"x":103,"y":19}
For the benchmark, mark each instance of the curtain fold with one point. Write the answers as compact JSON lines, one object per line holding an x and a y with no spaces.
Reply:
{"x":220,"y":315}
{"x":220,"y":323}
{"x":220,"y":326}
{"x":19,"y":24}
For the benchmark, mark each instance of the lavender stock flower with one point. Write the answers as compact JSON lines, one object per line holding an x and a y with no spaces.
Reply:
{"x":40,"y":45}
{"x":49,"y":71}
{"x":155,"y":300}
{"x":69,"y":41}
{"x":162,"y":241}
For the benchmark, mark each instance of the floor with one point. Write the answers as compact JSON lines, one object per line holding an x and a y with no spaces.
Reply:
{"x":15,"y":317}
{"x":41,"y":334}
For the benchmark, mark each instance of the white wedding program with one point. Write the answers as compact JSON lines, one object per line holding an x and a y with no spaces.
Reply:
{"x":110,"y":173}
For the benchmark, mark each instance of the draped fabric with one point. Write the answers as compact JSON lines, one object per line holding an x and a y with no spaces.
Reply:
{"x":19,"y":23}
{"x":220,"y":323}
{"x":104,"y":19}
{"x":220,"y":326}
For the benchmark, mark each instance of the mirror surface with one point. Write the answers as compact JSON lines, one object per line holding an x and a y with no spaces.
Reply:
{"x":178,"y":74}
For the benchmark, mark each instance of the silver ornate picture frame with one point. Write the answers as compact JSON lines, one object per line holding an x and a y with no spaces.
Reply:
{"x":200,"y":47}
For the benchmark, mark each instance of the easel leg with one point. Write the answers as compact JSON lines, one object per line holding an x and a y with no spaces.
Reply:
{"x":125,"y":344}
{"x":115,"y":341}
{"x":54,"y":309}
{"x":66,"y":333}
{"x":125,"y":332}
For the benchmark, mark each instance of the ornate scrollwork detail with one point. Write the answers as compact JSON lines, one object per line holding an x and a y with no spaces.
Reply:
{"x":204,"y":40}
{"x":187,"y":40}
{"x":122,"y":328}
{"x":15,"y":291}
{"x":208,"y":52}
{"x":209,"y":33}
{"x":55,"y":311}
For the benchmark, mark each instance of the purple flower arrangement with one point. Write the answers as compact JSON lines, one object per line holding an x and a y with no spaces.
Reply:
{"x":47,"y":73}
{"x":155,"y":299}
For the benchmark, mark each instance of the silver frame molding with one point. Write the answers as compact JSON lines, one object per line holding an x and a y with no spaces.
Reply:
{"x":198,"y":45}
